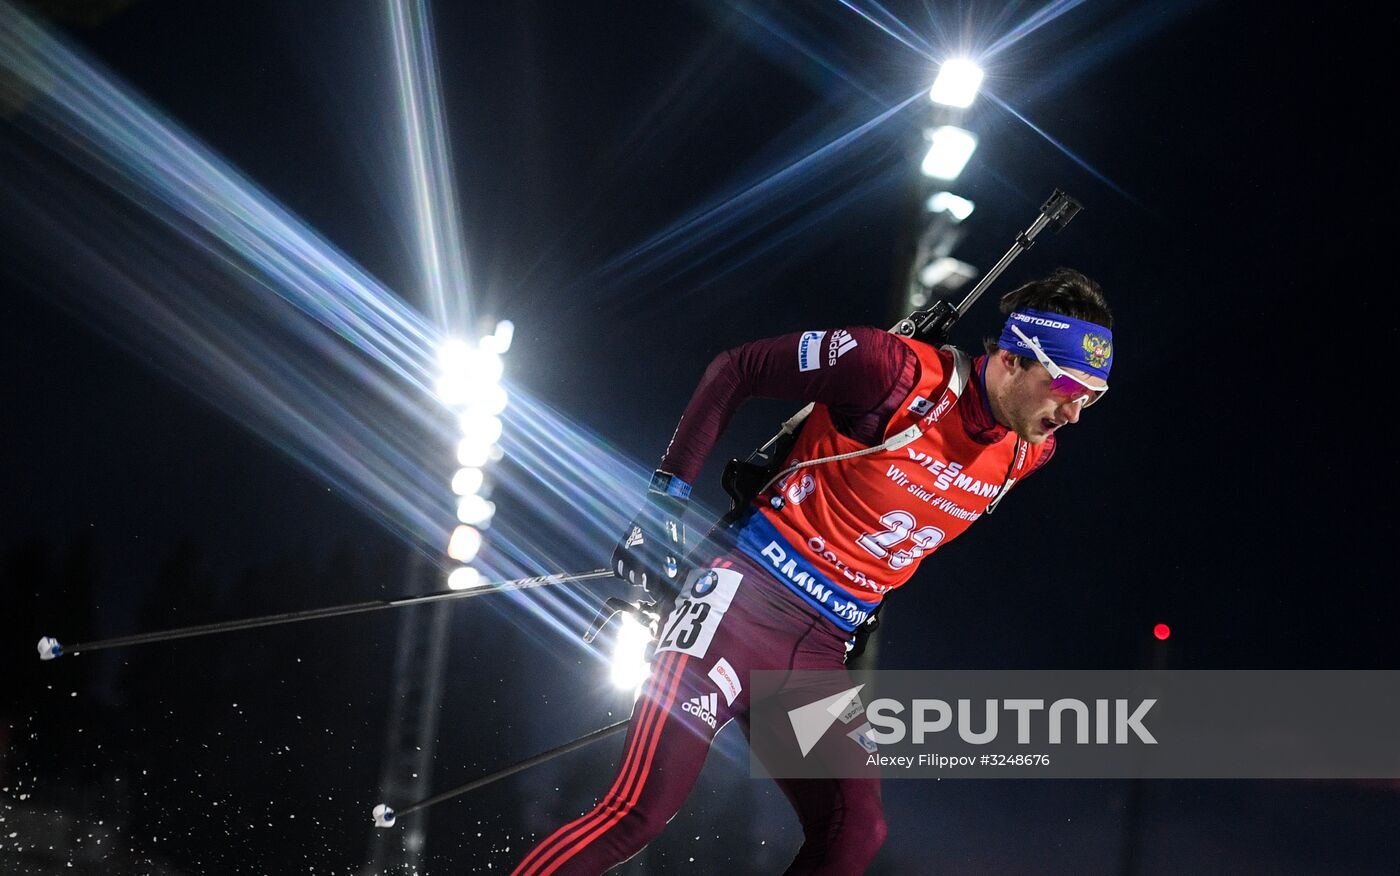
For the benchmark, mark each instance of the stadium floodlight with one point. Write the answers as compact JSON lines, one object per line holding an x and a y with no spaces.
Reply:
{"x":475,"y":511}
{"x":483,"y":430}
{"x":453,"y":389}
{"x":464,"y":544}
{"x":454,"y":356}
{"x":471,"y":385}
{"x":456,"y":359}
{"x":947,"y":202}
{"x":957,"y":83}
{"x":488,"y":400}
{"x":946,"y":274}
{"x":471,"y":454}
{"x":464,"y":578}
{"x":499,"y":341}
{"x":629,"y":665}
{"x":487,"y":365}
{"x":949,"y":150}
{"x":478,"y":396}
{"x":467,"y":481}
{"x":478,"y":443}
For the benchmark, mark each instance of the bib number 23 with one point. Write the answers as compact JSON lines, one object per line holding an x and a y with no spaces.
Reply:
{"x":899,"y":528}
{"x":699,"y":610}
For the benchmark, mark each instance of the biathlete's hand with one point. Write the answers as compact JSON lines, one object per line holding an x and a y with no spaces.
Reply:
{"x":652,"y":550}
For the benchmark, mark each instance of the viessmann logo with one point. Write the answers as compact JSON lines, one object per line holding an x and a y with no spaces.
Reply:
{"x":890,"y":721}
{"x":951,"y":475}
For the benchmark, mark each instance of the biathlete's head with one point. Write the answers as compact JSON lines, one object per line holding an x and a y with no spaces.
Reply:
{"x":1053,"y":357}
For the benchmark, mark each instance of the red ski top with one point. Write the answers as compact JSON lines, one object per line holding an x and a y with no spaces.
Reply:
{"x":845,"y":533}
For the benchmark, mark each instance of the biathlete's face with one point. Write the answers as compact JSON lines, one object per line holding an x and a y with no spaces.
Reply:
{"x":1035,"y":405}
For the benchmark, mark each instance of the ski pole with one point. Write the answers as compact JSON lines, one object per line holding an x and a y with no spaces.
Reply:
{"x":49,"y":647}
{"x":385,"y":816}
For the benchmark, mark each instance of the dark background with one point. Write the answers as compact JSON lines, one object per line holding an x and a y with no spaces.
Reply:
{"x":1235,"y":484}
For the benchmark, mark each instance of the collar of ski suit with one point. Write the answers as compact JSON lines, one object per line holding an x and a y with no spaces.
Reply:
{"x":977,"y":412}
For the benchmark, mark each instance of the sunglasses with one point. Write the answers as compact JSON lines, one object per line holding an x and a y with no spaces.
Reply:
{"x":1062,"y":382}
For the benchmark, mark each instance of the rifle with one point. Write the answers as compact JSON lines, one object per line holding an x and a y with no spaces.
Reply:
{"x":744,"y":479}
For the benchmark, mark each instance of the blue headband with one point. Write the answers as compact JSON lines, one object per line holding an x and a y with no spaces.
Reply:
{"x":1069,"y":342}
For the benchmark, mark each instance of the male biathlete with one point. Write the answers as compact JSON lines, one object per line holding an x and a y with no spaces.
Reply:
{"x":930,"y":440}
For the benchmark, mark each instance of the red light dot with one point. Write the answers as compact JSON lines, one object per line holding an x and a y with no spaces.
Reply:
{"x":1162,"y":632}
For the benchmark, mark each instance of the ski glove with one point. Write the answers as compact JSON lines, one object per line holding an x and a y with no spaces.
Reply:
{"x":652,"y":549}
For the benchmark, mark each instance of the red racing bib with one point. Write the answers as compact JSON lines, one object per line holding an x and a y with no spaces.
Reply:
{"x":844,"y":533}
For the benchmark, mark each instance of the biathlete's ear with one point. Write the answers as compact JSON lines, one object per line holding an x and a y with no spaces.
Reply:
{"x":1024,"y":363}
{"x":1006,"y":359}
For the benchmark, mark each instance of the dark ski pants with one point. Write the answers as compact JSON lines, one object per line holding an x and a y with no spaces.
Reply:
{"x":682,"y":706}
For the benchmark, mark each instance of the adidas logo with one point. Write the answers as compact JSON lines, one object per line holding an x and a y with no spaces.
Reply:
{"x":840,"y":344}
{"x":634,"y":537}
{"x":703,"y":707}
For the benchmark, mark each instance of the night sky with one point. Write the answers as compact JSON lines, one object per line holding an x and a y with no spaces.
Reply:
{"x":1236,"y":483}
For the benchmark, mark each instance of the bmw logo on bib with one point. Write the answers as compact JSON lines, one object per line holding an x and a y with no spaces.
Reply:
{"x":704,"y":584}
